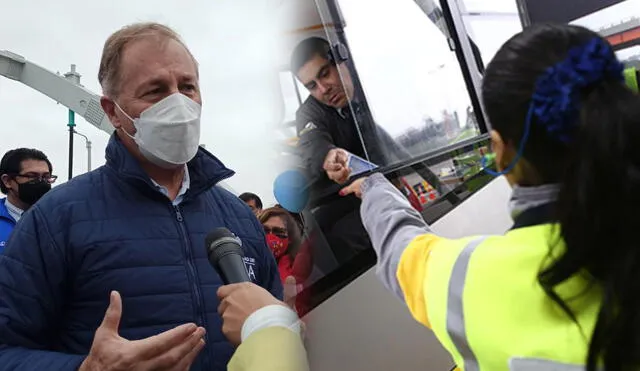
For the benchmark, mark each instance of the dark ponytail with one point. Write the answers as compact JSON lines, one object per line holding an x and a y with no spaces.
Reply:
{"x":599,"y":174}
{"x":598,"y":214}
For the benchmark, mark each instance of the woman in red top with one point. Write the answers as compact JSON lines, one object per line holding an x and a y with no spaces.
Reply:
{"x":284,"y":238}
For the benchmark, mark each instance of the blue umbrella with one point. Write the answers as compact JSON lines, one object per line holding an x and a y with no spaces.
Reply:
{"x":291,"y":191}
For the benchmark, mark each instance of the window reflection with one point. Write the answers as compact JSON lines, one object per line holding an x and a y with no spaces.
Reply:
{"x":452,"y":172}
{"x":411,"y":78}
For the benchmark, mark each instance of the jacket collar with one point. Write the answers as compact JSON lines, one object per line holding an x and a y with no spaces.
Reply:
{"x":524,"y":198}
{"x":345,"y":112}
{"x":534,"y":205}
{"x":4,"y":212}
{"x":205,"y":170}
{"x":538,"y":215}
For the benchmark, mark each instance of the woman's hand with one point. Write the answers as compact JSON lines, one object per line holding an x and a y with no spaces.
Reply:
{"x":353,"y":188}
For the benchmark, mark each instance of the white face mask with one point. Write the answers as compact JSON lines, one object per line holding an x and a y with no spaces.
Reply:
{"x":168,"y":133}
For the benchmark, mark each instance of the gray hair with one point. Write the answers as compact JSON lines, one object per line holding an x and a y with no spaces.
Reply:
{"x":109,"y":72}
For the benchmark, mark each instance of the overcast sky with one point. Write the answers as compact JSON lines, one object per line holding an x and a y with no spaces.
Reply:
{"x":403,"y":60}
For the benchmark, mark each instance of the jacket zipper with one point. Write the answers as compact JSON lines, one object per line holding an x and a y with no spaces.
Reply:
{"x":192,"y":277}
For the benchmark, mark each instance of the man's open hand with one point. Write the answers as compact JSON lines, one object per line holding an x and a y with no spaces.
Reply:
{"x":173,"y":350}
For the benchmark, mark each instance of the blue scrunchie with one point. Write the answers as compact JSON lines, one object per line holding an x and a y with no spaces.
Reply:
{"x":555,"y":101}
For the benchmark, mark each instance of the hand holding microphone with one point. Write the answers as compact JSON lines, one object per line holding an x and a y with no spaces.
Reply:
{"x":237,"y":302}
{"x":239,"y":298}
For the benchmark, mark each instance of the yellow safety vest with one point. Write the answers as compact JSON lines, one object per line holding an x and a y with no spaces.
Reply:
{"x":481,"y":297}
{"x":631,"y":76}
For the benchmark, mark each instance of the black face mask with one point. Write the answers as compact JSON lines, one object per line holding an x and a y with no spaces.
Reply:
{"x":31,"y":192}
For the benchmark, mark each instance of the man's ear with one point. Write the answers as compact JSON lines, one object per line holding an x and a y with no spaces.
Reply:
{"x":109,"y":108}
{"x":5,"y":180}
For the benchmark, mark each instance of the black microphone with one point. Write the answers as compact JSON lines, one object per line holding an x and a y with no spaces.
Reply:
{"x":225,"y":255}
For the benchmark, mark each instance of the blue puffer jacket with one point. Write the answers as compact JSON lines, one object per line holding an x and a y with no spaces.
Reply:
{"x":111,"y":229}
{"x":7,"y":223}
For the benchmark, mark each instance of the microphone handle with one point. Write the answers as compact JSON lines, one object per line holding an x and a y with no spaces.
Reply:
{"x":232,"y":270}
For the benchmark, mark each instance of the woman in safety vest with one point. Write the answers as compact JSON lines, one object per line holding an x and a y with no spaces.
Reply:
{"x":561,"y":289}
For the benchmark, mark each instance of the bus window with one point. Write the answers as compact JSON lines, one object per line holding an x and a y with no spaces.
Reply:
{"x":411,"y":81}
{"x":490,"y":23}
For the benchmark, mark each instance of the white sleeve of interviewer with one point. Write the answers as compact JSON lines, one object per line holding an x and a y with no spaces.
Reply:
{"x":270,"y":316}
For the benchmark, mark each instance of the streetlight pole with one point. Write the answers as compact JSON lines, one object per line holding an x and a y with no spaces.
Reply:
{"x":74,"y":77}
{"x":88,"y":143}
{"x":71,"y":123}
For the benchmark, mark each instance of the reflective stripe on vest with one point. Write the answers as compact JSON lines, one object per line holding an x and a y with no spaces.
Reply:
{"x":456,"y":324}
{"x":532,"y":364}
{"x":455,"y":307}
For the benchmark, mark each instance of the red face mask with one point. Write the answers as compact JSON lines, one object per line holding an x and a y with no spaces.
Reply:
{"x":278,"y":245}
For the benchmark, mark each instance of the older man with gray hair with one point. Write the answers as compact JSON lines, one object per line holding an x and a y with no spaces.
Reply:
{"x":109,"y":271}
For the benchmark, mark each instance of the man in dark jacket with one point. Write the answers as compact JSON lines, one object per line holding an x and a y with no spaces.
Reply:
{"x":326,"y":127}
{"x":25,"y":176}
{"x":331,"y":122}
{"x":331,"y":118}
{"x":109,"y":271}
